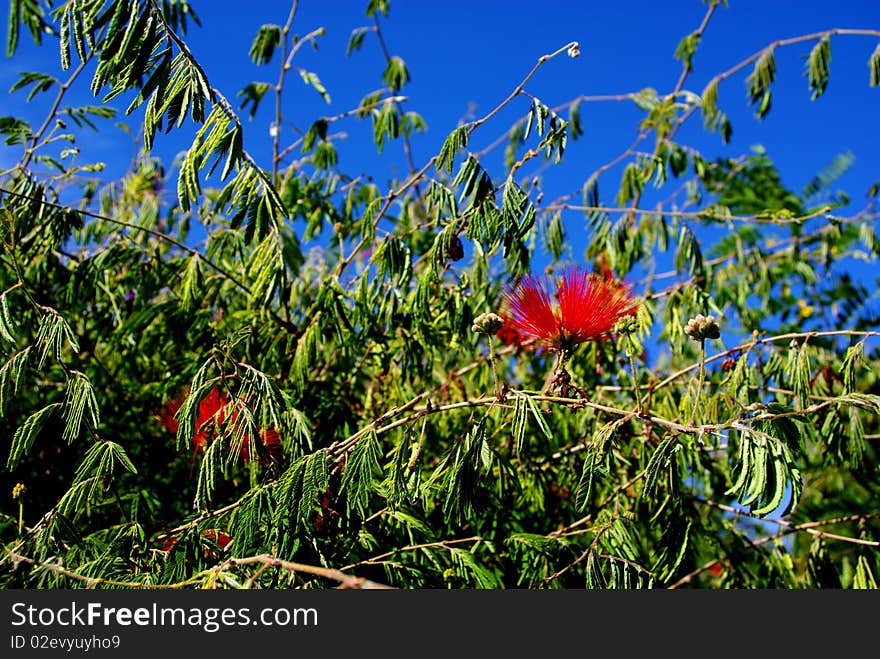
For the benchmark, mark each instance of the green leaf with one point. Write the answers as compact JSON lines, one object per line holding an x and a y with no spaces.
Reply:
{"x":314,"y":484}
{"x":313,"y":81}
{"x":555,"y":236}
{"x":29,"y":13}
{"x":79,"y":404}
{"x":595,"y":463}
{"x":305,"y":353}
{"x":818,"y":66}
{"x":380,"y":6}
{"x":874,"y":67}
{"x":286,"y":513}
{"x":265,"y":269}
{"x":252,"y":95}
{"x":27,"y":432}
{"x":574,"y":119}
{"x":767,"y":470}
{"x":456,"y":141}
{"x":6,"y":327}
{"x":318,"y":130}
{"x":864,"y":578}
{"x":52,"y":334}
{"x":11,"y":376}
{"x":191,"y":283}
{"x":459,"y":474}
{"x":356,"y":40}
{"x":630,"y":185}
{"x":686,"y":49}
{"x":101,"y":460}
{"x":40,"y":81}
{"x":709,"y":103}
{"x":263,"y":47}
{"x":662,"y":460}
{"x":760,"y":80}
{"x":206,"y":483}
{"x":188,"y":413}
{"x":362,"y":471}
{"x":396,"y":74}
{"x":386,"y":124}
{"x":538,"y":415}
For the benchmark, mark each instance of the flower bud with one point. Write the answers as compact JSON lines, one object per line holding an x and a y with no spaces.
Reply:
{"x":625,"y":326}
{"x":702,"y":327}
{"x":487,"y":323}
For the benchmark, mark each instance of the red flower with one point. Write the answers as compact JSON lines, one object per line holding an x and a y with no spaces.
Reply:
{"x":271,"y":443}
{"x":212,"y":537}
{"x":586,"y":308}
{"x":213,"y":410}
{"x":510,"y":335}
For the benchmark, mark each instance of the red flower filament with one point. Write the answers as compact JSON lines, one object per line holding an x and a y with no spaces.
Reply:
{"x":583,"y":307}
{"x":213,"y":411}
{"x":510,"y":335}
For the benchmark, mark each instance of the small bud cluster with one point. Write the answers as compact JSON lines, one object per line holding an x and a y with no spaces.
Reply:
{"x":702,"y":327}
{"x":18,"y":491}
{"x":487,"y":323}
{"x":626,"y":326}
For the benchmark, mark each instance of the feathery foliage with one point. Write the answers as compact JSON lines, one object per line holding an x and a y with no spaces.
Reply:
{"x":281,"y":356}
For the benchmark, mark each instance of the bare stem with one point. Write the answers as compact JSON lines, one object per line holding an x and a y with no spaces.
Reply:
{"x":635,"y":377}
{"x":53,"y":111}
{"x":279,"y":88}
{"x":702,"y":375}
{"x":494,"y":368}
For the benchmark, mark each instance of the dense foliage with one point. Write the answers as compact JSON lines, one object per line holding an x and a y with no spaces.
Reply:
{"x":232,"y":373}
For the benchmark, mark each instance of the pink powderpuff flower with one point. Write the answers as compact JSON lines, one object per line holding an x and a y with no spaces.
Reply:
{"x":579,"y":306}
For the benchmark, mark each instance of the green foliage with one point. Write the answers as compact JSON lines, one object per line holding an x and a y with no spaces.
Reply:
{"x":276,"y":355}
{"x":818,"y":65}
{"x":760,"y":80}
{"x":686,"y":49}
{"x":267,"y":40}
{"x":874,"y":67}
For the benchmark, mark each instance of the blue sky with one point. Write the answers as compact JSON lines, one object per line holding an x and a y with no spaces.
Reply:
{"x":464,"y":57}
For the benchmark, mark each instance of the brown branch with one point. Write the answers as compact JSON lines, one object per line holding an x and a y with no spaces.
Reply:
{"x":570,"y":529}
{"x":62,"y":91}
{"x":136,"y":227}
{"x":267,"y":561}
{"x":279,"y":87}
{"x":807,"y":527}
{"x":761,"y":341}
{"x":701,"y":214}
{"x":428,"y":545}
{"x":690,"y":576}
{"x":584,"y":555}
{"x":344,"y":580}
